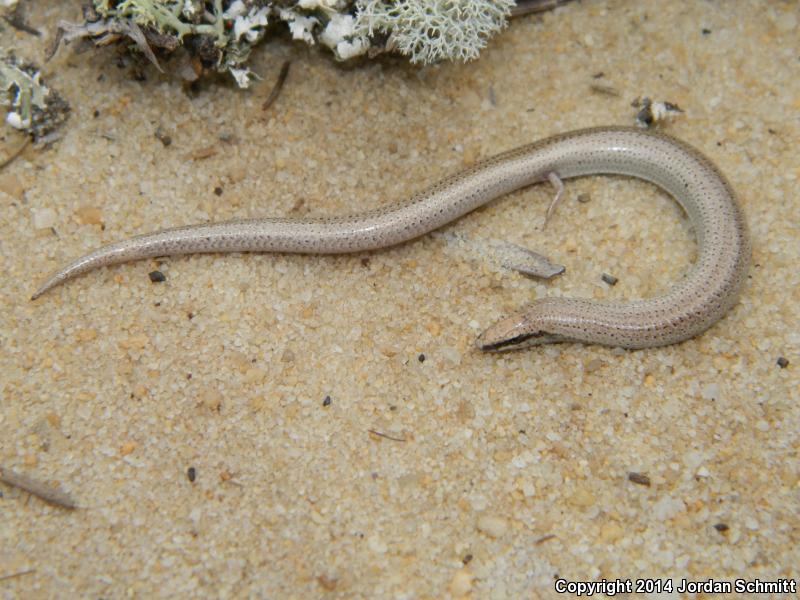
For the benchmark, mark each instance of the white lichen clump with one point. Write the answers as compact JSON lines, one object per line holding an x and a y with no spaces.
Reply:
{"x":20,"y":93}
{"x":435,"y":30}
{"x":223,"y":32}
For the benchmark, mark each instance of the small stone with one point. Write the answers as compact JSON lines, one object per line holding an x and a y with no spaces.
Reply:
{"x":421,"y":358}
{"x":593,"y":365}
{"x":127,"y":448}
{"x":528,"y":489}
{"x":492,"y":526}
{"x":377,"y":545}
{"x":721,"y":527}
{"x":89,"y":215}
{"x":327,"y":401}
{"x":85,"y":335}
{"x":191,"y":473}
{"x":461,"y":584}
{"x":254,"y":375}
{"x":44,"y":218}
{"x":11,"y":185}
{"x":667,"y":508}
{"x":218,"y":191}
{"x":611,"y":532}
{"x":782,"y":362}
{"x":609,"y":279}
{"x":584,"y":198}
{"x":327,"y":582}
{"x":135,"y":342}
{"x":156,"y":276}
{"x":163,"y":137}
{"x":639,"y":478}
{"x":582,"y":497}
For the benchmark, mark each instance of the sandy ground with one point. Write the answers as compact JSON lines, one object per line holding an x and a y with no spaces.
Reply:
{"x":507,"y":472}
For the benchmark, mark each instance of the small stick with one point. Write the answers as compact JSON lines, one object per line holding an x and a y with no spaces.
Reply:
{"x":47,"y":493}
{"x":544,"y":538}
{"x":388,"y":437}
{"x":17,"y":20}
{"x":276,"y":89}
{"x":605,"y":90}
{"x":528,"y":7}
{"x":556,"y":182}
{"x":13,"y":156}
{"x":17,"y":574}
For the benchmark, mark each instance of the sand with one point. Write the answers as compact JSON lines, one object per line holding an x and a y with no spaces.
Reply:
{"x":484,"y":475}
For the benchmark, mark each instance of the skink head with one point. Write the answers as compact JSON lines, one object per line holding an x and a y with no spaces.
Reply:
{"x":521,"y":330}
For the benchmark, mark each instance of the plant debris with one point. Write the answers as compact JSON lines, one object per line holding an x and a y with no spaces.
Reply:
{"x":32,"y":106}
{"x":651,"y":113}
{"x":609,"y":279}
{"x":41,"y":490}
{"x":219,"y":35}
{"x":16,"y":18}
{"x":276,"y":89}
{"x":639,"y":478}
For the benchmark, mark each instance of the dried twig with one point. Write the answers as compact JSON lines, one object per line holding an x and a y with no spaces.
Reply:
{"x":276,"y":89}
{"x":527,"y":7}
{"x":17,"y":20}
{"x":388,"y":437}
{"x":544,"y":538}
{"x":605,"y":90}
{"x":47,"y":493}
{"x":12,"y":157}
{"x":17,"y":574}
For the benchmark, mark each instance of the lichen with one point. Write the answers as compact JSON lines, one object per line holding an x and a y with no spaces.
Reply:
{"x":31,"y":106}
{"x":222,"y":33}
{"x":435,"y":30}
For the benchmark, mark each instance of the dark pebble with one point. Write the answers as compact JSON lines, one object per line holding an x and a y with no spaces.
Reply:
{"x":782,"y":362}
{"x":721,"y":527}
{"x":327,"y":401}
{"x":191,"y":473}
{"x":218,"y":191}
{"x":421,"y":358}
{"x":584,"y":198}
{"x":609,"y":279}
{"x":639,"y":478}
{"x":467,"y":559}
{"x":705,"y":31}
{"x":156,"y":276}
{"x":162,"y":137}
